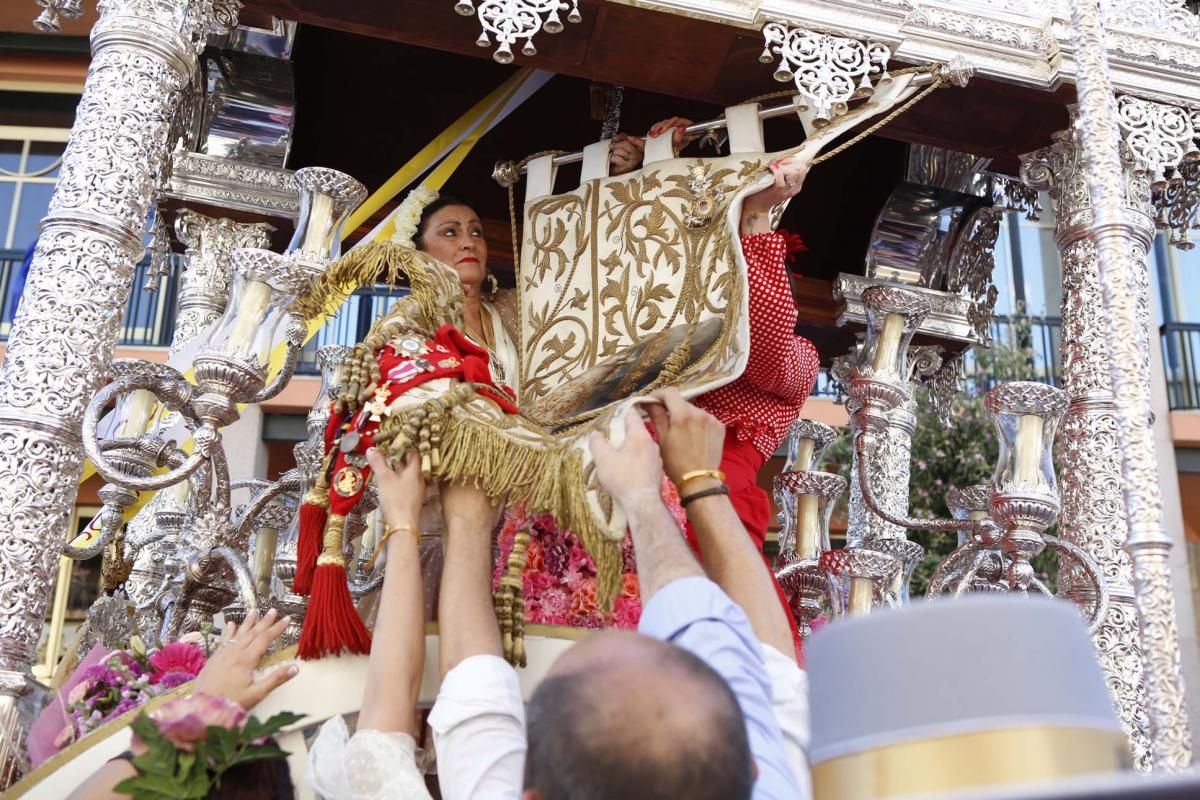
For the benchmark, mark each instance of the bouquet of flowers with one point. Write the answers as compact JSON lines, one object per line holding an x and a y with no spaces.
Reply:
{"x":183,"y":749}
{"x":126,"y":679}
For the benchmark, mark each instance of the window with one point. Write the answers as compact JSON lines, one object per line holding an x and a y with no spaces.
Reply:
{"x":30,"y":159}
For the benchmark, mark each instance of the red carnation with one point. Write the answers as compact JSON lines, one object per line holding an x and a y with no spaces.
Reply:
{"x":794,"y":244}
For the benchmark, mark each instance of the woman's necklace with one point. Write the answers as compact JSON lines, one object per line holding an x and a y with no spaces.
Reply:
{"x":481,"y":334}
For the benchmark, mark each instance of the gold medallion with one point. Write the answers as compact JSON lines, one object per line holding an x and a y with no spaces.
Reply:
{"x":348,"y":481}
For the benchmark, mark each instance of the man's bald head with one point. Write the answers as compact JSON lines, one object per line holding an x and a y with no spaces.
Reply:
{"x":622,"y":715}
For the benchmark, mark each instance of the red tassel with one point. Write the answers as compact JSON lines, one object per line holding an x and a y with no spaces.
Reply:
{"x":308,"y":545}
{"x":332,"y":625}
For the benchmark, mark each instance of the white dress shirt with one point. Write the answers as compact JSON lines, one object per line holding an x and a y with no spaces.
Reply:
{"x":478,"y":723}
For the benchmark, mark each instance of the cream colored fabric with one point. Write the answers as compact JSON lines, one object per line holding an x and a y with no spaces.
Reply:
{"x":633,"y":282}
{"x":370,"y":765}
{"x":539,"y":178}
{"x":745,"y":129}
{"x":659,"y":148}
{"x":649,"y":261}
{"x":504,"y":352}
{"x":596,"y":158}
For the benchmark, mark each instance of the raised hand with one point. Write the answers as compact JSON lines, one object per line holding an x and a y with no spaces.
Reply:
{"x":626,"y":153}
{"x":631,"y":471}
{"x":401,"y":490}
{"x":756,"y":209}
{"x":229,"y":671}
{"x":678,"y":127}
{"x":689,"y":437}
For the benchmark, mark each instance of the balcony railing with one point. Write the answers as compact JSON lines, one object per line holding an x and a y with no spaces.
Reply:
{"x":351,"y":323}
{"x":1181,"y":359}
{"x":149,"y":319}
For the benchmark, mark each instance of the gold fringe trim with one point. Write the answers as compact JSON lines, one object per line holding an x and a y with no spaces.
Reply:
{"x":546,"y":476}
{"x":386,"y":262}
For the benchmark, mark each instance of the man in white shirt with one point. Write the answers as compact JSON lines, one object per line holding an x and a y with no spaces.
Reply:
{"x":620,"y":714}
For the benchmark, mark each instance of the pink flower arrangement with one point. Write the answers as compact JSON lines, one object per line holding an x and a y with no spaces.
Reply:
{"x":178,"y":658}
{"x":560,"y":577}
{"x":124,"y":680}
{"x":186,"y":720}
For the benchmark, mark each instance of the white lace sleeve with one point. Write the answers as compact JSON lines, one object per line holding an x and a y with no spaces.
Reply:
{"x":371,"y":765}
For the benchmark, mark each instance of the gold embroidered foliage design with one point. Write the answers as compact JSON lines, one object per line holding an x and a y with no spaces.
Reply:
{"x":622,"y":259}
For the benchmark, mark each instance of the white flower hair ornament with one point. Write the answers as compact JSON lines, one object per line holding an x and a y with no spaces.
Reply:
{"x":408,"y":216}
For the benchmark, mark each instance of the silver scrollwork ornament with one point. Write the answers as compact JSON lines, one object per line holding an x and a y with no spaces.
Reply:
{"x":143,"y":54}
{"x":1122,"y":267}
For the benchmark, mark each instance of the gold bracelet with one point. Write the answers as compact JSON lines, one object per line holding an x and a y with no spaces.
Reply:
{"x":387,"y":534}
{"x":697,"y":474}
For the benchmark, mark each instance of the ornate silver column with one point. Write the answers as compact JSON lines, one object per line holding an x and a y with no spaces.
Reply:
{"x":890,"y":471}
{"x":1093,"y":510}
{"x":143,"y":54}
{"x":1121,"y":258}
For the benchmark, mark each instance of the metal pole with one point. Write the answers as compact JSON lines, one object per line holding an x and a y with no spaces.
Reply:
{"x":143,"y":55}
{"x":1125,"y":287}
{"x":1093,"y":508}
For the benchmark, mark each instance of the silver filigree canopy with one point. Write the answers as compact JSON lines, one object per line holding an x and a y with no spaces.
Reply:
{"x":511,"y":20}
{"x":828,"y":71}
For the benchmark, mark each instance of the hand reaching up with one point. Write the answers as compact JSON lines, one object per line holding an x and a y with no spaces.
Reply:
{"x":401,"y":490}
{"x":689,"y":437}
{"x":632,"y":471}
{"x":229,"y":671}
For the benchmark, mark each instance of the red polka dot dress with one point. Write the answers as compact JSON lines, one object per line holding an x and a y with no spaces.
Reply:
{"x":758,"y":408}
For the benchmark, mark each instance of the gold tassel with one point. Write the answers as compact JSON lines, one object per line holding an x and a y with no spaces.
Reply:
{"x":435,"y":288}
{"x":510,"y":601}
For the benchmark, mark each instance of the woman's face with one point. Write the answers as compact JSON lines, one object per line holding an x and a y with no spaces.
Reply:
{"x":454,"y":236}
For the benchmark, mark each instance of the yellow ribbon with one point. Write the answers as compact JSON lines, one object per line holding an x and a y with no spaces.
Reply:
{"x":475,"y":123}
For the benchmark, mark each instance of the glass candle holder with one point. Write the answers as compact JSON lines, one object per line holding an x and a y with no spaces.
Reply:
{"x":910,"y":554}
{"x":330,"y":359}
{"x":806,"y":443}
{"x":327,"y":198}
{"x":135,"y":410}
{"x":264,"y":286}
{"x":808,"y":499}
{"x":1026,"y":416}
{"x":858,"y":580}
{"x":893,"y":317}
{"x":968,"y":503}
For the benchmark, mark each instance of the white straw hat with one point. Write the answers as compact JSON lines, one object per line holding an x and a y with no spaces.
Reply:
{"x":950,"y":695}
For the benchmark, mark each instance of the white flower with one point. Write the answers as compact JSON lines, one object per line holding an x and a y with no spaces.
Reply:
{"x":408,"y":215}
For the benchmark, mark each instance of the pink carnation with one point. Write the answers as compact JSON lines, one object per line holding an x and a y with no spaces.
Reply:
{"x":186,"y":721}
{"x":176,"y":657}
{"x":535,"y":583}
{"x":626,"y":612}
{"x":64,"y":737}
{"x":81,"y":691}
{"x":555,"y":603}
{"x":580,"y":560}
